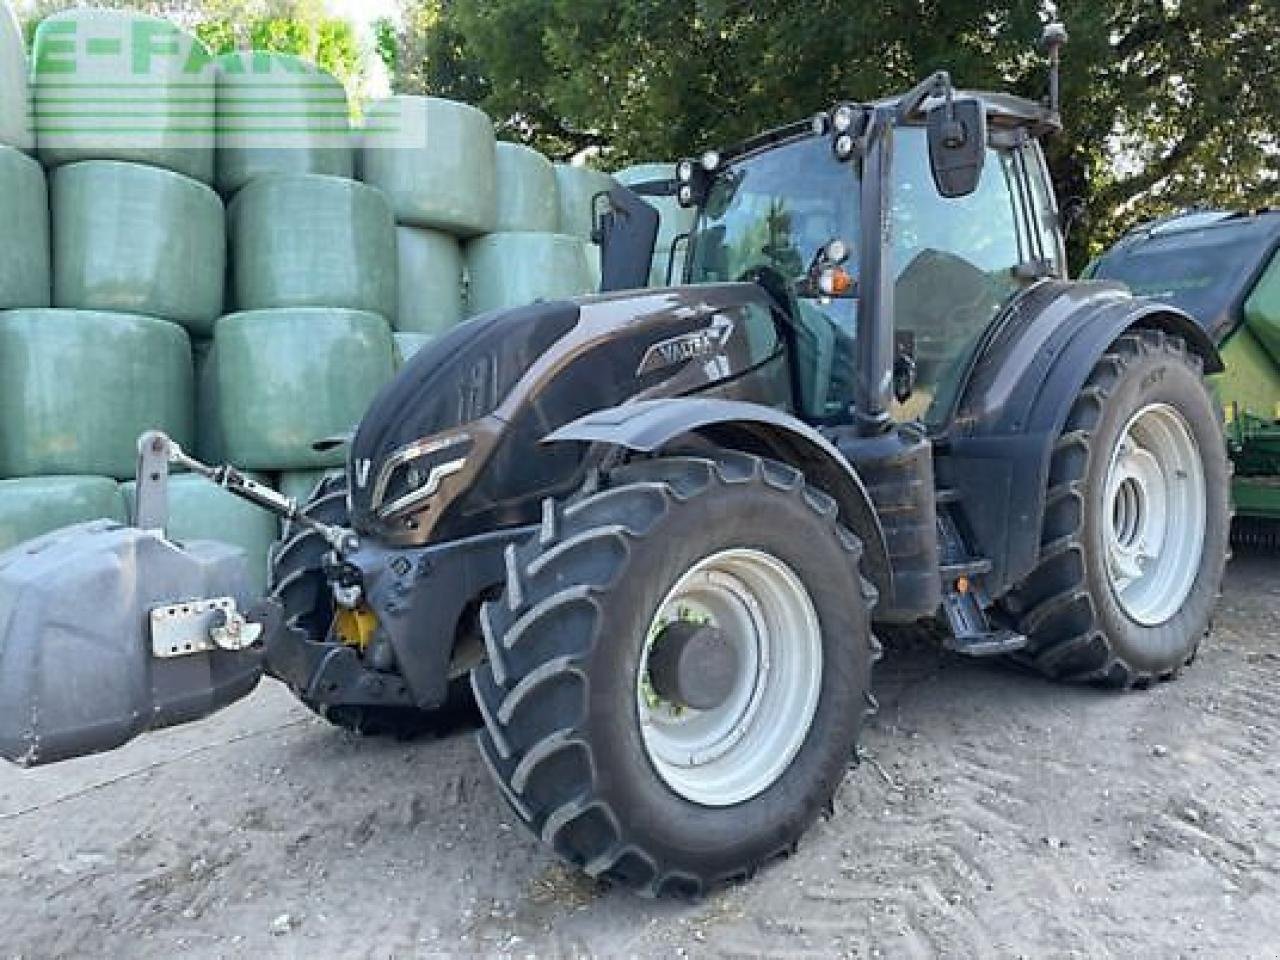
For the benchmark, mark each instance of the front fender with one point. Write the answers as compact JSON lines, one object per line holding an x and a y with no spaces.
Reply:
{"x":646,"y":426}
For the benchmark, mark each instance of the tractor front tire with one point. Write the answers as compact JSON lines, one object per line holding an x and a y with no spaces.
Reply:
{"x":678,"y":670}
{"x":298,"y":583}
{"x":1136,"y":525}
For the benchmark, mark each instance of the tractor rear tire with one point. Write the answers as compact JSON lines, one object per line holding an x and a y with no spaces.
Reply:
{"x":619,"y":772}
{"x":1135,"y":533}
{"x":298,"y":584}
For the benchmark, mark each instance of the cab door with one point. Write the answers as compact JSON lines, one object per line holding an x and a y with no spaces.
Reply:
{"x":956,"y":263}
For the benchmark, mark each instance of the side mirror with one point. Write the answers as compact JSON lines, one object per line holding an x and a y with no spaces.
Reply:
{"x":628,"y":232}
{"x":957,"y":131}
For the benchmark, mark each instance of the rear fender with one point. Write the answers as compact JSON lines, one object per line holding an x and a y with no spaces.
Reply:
{"x":649,"y":425}
{"x":1016,"y":400}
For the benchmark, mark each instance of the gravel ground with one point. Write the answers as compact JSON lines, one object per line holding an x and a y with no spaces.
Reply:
{"x":996,"y":815}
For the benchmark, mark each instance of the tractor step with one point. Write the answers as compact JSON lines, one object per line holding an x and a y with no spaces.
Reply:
{"x":994,"y":643}
{"x":951,"y":572}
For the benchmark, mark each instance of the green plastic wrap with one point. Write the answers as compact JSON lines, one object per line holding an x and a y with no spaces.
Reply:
{"x":594,"y":264}
{"x":209,"y":445}
{"x":528,"y":197}
{"x":279,"y":114}
{"x":577,"y":188}
{"x":287,"y":378}
{"x":137,"y":239}
{"x":34,"y":506}
{"x":663,"y":262}
{"x":1262,"y":309}
{"x":301,"y":484}
{"x":429,"y":280}
{"x":674,"y":219}
{"x":200,"y":510}
{"x":78,"y":387}
{"x":116,"y":85}
{"x":312,"y":241}
{"x":407,"y":344}
{"x":15,"y":93}
{"x":514,"y":269}
{"x":435,"y":160}
{"x":24,"y":231}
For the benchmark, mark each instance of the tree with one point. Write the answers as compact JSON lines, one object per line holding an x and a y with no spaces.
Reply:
{"x":1165,"y":104}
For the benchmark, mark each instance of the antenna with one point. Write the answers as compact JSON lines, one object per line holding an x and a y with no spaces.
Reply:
{"x":1052,"y":40}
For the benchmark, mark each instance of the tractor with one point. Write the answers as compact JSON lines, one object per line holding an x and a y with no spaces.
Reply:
{"x":1223,"y":268}
{"x":652,"y":533}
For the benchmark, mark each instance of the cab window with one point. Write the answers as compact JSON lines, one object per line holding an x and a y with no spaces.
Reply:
{"x":954,"y":263}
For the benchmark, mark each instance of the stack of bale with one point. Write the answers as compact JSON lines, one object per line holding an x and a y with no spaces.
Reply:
{"x":139,"y":251}
{"x":163,"y":266}
{"x":674,"y":221}
{"x":92,"y":347}
{"x":434,"y":162}
{"x":306,"y":343}
{"x":479,"y":223}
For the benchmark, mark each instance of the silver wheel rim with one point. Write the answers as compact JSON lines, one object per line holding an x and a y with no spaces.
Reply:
{"x":1154,"y":514}
{"x":737,"y":750}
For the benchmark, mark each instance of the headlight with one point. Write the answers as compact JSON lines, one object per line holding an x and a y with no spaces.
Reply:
{"x":685,"y":195}
{"x":710,"y":161}
{"x":413,"y":474}
{"x":844,"y":146}
{"x":843,"y":118}
{"x":684,"y":171}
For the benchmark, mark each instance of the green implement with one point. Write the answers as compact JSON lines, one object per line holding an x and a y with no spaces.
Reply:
{"x":1224,"y":269}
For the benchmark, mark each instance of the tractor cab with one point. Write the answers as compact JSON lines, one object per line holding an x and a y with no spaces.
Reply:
{"x":776,"y":208}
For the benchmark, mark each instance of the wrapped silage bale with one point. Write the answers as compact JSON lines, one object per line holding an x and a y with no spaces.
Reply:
{"x":527,"y":195}
{"x":595,"y":266}
{"x":313,"y":241}
{"x":407,"y":344}
{"x":435,"y":160}
{"x":201,"y":510}
{"x":24,"y":231}
{"x":209,"y":445}
{"x":301,"y":484}
{"x":137,"y":239}
{"x":15,"y":93}
{"x":515,"y":269}
{"x":577,"y":188}
{"x":287,"y":378}
{"x":429,"y":281}
{"x":33,"y":506}
{"x":117,"y":85}
{"x":78,"y":387}
{"x":279,"y":114}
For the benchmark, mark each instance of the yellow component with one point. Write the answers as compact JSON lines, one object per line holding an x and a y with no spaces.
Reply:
{"x":1229,"y":413}
{"x":356,"y":627}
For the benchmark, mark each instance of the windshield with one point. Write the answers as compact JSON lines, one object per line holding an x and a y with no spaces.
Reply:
{"x":776,"y":210}
{"x":1202,"y":278}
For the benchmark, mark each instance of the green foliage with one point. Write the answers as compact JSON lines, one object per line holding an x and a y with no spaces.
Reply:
{"x":386,"y":44}
{"x":434,"y":54}
{"x":1166,"y":104}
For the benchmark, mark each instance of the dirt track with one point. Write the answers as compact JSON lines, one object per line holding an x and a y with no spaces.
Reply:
{"x":996,"y":816}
